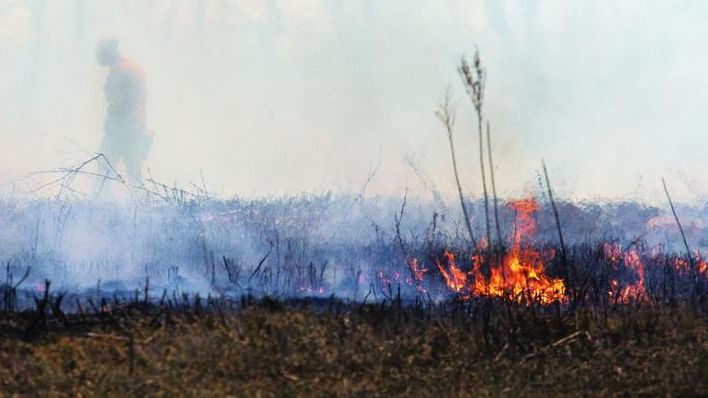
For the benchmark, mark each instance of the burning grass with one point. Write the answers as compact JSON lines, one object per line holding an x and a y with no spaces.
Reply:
{"x":426,"y":312}
{"x":483,"y":347}
{"x":518,"y":273}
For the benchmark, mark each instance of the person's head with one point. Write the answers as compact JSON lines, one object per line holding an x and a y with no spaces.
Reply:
{"x":107,"y":52}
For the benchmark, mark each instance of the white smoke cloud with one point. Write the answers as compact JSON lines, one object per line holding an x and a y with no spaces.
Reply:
{"x":278,"y":97}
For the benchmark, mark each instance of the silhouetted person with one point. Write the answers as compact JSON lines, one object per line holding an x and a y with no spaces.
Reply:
{"x":126,"y":138}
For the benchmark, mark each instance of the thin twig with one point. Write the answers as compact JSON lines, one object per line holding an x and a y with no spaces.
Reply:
{"x":564,"y":260}
{"x":447,"y":118}
{"x":494,"y":187}
{"x":683,"y":235}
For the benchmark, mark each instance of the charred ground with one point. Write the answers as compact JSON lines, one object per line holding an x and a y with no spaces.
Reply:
{"x":267,"y":347}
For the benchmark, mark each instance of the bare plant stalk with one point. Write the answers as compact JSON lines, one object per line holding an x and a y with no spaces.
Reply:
{"x":683,"y":235}
{"x":447,"y":117}
{"x":494,"y":187}
{"x":474,"y":81}
{"x":398,"y":219}
{"x":564,"y":261}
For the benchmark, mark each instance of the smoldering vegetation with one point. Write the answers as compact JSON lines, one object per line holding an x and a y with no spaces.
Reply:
{"x":352,"y":247}
{"x":184,"y":294}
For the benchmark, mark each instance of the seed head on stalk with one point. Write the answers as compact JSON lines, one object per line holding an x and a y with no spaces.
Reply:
{"x":474,"y":78}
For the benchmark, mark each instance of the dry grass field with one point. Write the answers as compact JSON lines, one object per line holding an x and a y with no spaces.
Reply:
{"x":488,"y":348}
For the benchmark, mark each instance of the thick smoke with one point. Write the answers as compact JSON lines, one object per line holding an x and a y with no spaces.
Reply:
{"x":296,"y":246}
{"x":278,"y":97}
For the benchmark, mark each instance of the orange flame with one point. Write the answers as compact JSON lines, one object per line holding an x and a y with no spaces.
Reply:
{"x":683,"y":267}
{"x":455,"y":278}
{"x":634,"y":291}
{"x":519,"y":275}
{"x":701,"y":265}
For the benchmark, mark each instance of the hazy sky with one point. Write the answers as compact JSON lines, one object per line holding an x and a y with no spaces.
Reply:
{"x":275,"y":97}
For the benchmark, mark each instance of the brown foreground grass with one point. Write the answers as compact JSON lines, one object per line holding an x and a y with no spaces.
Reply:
{"x":376,"y":350}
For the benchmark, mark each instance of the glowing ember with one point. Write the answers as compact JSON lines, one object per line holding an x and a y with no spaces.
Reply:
{"x":701,"y":265}
{"x":613,"y":253}
{"x":418,"y":273}
{"x":681,"y":266}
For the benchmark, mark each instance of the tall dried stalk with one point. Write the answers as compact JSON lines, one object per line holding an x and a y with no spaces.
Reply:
{"x":564,"y":258}
{"x":447,"y":118}
{"x":473,"y":78}
{"x":494,"y":187}
{"x":691,"y":263}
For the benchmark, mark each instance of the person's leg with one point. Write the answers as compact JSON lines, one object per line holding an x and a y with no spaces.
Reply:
{"x":110,"y":149}
{"x":107,"y":163}
{"x":134,"y":167}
